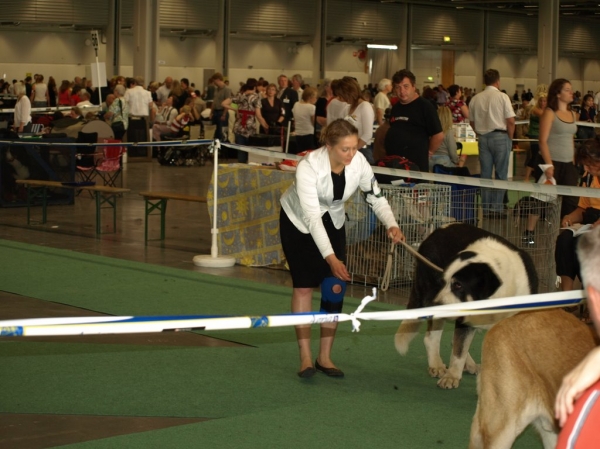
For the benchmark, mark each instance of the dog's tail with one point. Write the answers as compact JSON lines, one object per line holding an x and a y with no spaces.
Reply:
{"x":405,"y":334}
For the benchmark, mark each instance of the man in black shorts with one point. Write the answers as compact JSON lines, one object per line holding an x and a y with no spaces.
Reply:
{"x":415,"y":129}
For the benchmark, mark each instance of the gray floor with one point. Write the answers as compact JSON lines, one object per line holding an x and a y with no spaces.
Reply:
{"x":187,"y":226}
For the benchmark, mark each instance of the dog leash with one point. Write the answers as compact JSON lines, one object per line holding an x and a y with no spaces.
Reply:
{"x":387,"y":274}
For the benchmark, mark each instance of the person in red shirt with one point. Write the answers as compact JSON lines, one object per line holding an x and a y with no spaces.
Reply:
{"x":577,"y":406}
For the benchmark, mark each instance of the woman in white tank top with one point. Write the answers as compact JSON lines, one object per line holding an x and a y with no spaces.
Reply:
{"x":39,"y":93}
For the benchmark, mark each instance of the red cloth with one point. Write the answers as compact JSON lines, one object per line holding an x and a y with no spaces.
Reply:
{"x":245,"y":114}
{"x":581,"y":431}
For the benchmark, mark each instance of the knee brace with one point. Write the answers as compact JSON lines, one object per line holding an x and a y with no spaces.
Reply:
{"x":332,"y":295}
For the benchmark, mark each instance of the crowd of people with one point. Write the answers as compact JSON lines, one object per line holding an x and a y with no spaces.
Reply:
{"x":337,"y":120}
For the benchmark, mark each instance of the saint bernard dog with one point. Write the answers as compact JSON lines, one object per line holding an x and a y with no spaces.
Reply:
{"x":477,"y":265}
{"x":523,"y":361}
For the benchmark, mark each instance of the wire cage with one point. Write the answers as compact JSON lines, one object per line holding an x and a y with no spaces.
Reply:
{"x":422,"y":208}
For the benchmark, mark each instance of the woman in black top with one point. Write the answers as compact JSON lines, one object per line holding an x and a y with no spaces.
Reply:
{"x":272,"y":109}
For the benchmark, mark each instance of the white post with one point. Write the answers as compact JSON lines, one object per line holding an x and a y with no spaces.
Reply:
{"x":214,"y":260}
{"x":95,"y":40}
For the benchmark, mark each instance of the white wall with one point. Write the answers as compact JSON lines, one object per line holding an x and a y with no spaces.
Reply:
{"x":269,"y":59}
{"x":65,"y":55}
{"x":340,"y":61}
{"x":570,"y":68}
{"x":61,"y":55}
{"x":426,"y":63}
{"x":465,"y":69}
{"x":591,"y":68}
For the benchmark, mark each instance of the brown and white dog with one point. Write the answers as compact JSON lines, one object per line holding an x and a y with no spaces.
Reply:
{"x":477,"y":265}
{"x":523,"y":361}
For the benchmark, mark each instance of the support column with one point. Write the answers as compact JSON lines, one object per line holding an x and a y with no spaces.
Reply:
{"x":113,"y":38}
{"x":548,"y":23}
{"x":222,"y":39}
{"x":319,"y":41}
{"x":400,"y":60}
{"x":482,"y":51}
{"x":146,"y":32}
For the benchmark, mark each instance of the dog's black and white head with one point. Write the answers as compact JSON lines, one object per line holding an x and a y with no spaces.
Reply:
{"x":486,"y":269}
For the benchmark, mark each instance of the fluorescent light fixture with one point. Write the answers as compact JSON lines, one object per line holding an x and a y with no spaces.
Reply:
{"x":383,"y":47}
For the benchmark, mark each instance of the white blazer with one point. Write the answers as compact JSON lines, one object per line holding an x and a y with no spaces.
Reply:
{"x":311,"y":196}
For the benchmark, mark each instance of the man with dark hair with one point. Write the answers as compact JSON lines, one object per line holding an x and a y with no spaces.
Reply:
{"x":415,"y":130}
{"x":218,"y":113}
{"x":493,"y":119}
{"x":185,"y":86}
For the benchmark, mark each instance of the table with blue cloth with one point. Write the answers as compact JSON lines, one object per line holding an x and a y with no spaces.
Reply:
{"x":248,"y":212}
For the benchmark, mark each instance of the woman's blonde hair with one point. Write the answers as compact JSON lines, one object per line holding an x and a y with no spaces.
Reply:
{"x":445,"y":116}
{"x":336,"y":131}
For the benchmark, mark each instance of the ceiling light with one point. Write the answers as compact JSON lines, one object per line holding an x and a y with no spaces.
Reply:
{"x":383,"y":47}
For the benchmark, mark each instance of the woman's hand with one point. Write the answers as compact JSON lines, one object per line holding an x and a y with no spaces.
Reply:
{"x":566,"y":222}
{"x":396,"y":235}
{"x":549,"y":172}
{"x":338,"y":269}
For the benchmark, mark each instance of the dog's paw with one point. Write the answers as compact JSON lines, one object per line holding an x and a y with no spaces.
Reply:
{"x":448,"y":382}
{"x":472,"y":368}
{"x":437,"y":371}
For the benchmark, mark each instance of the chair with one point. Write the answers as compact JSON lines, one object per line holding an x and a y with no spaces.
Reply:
{"x":109,"y":167}
{"x":86,"y":158}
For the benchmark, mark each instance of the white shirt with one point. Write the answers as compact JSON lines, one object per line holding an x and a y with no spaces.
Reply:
{"x":84,"y":104}
{"x":138,"y":100}
{"x":489,"y":110}
{"x":382,"y":101}
{"x":303,"y":113}
{"x":336,"y":109}
{"x":40,"y":90}
{"x":363,"y":118}
{"x":22,"y":113}
{"x":311,"y":196}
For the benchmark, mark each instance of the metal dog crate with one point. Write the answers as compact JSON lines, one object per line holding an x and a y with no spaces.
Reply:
{"x":422,"y":208}
{"x":419,"y":209}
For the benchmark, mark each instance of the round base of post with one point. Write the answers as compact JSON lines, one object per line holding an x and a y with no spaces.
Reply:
{"x":214,"y":262}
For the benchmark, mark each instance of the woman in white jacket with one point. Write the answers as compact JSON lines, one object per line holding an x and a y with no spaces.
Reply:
{"x":313,"y":234}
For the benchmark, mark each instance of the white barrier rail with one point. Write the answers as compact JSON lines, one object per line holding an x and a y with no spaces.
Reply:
{"x":131,"y":324}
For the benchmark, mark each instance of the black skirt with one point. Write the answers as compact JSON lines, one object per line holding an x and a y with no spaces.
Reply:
{"x":307,"y":266}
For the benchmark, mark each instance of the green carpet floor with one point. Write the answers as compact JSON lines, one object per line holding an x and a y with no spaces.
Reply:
{"x":252,"y":392}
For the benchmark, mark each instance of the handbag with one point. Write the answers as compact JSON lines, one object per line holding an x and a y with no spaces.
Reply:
{"x":118,"y":129}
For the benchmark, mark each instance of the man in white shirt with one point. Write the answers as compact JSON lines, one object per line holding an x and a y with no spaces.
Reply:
{"x":141,"y":112}
{"x":85,"y":102}
{"x":297,"y":82}
{"x":493,"y":119}
{"x":162,"y":93}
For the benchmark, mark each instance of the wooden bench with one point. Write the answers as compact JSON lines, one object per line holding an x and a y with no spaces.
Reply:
{"x":157,"y":201}
{"x":103,"y":194}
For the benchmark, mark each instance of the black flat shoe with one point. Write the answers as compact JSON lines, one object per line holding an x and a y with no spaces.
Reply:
{"x":307,"y":372}
{"x":331,"y":372}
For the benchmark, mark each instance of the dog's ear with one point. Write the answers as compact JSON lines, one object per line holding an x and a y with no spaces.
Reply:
{"x":476,"y":280}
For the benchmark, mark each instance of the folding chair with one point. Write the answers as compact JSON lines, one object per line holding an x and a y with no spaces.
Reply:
{"x":109,"y":167}
{"x":86,"y":159}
